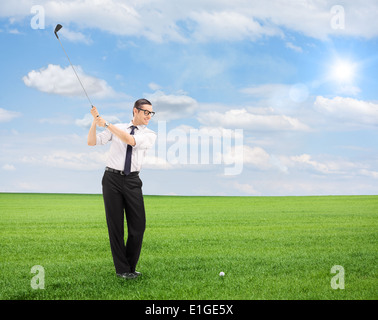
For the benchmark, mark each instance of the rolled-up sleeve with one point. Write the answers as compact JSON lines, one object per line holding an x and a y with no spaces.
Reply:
{"x":145,"y":141}
{"x":103,"y":137}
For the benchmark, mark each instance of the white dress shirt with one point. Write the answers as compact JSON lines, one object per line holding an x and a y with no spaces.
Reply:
{"x":144,"y":140}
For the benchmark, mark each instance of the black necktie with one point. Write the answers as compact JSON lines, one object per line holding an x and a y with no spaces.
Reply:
{"x":129,"y":150}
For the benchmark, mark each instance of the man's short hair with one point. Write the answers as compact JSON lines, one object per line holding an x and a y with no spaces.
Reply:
{"x":141,"y":102}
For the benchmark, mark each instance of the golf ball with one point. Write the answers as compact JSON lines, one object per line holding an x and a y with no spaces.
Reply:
{"x":221,"y":274}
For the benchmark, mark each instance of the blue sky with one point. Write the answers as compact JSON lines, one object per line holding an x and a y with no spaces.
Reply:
{"x":293,"y":83}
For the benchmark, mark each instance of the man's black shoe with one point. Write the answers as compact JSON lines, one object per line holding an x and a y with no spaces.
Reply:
{"x":127,"y":275}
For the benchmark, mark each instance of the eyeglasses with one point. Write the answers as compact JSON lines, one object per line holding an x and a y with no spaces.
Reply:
{"x":146,"y":112}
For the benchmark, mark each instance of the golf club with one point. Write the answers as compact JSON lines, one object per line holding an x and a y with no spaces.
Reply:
{"x":57,"y":28}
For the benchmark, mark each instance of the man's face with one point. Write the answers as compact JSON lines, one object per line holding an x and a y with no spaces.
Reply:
{"x":139,"y":115}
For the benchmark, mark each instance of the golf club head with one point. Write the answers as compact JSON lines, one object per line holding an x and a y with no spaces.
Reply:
{"x":57,"y":28}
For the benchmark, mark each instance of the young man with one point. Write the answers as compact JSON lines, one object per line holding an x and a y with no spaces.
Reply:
{"x":121,"y":185}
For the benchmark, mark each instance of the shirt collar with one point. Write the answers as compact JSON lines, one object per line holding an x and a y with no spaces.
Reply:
{"x":130,"y":124}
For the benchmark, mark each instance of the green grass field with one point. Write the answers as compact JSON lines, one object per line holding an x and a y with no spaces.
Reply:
{"x":268,"y":247}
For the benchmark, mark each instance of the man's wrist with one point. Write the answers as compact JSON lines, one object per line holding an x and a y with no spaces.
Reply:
{"x":107,"y":124}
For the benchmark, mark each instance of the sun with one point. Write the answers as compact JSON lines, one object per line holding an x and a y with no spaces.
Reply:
{"x":343,"y":71}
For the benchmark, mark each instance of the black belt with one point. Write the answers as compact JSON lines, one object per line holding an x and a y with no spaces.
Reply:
{"x":122,"y":173}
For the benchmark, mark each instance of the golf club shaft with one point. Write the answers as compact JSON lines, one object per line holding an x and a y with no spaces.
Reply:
{"x":75,"y":72}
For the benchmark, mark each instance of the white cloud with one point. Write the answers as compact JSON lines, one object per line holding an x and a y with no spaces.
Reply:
{"x":85,"y":161}
{"x":228,"y":25}
{"x":265,"y":91}
{"x":280,"y":96}
{"x":369,"y":173}
{"x":305,"y":160}
{"x":349,"y":110}
{"x":349,"y":90}
{"x":292,"y":46}
{"x":326,"y":166}
{"x":74,"y":36}
{"x":8,"y":167}
{"x":86,"y":122}
{"x":147,"y":19}
{"x":153,"y":86}
{"x":26,"y":186}
{"x":257,"y":156}
{"x":62,"y":81}
{"x":241,"y":118}
{"x":154,"y":162}
{"x":314,"y":18}
{"x":170,"y":107}
{"x":61,"y":120}
{"x":245,"y":188}
{"x":6,"y":115}
{"x":14,"y":31}
{"x":206,"y":20}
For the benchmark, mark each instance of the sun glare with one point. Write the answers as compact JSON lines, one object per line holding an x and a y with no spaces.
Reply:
{"x":343,"y":71}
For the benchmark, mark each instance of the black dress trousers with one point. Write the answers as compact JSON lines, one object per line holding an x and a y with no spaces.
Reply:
{"x":123,"y":196}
